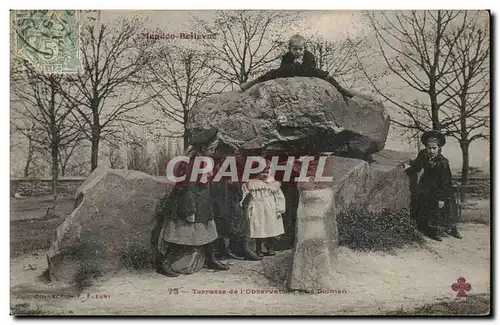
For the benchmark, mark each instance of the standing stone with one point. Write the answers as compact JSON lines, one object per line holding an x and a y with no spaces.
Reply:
{"x":355,"y":184}
{"x":114,"y":211}
{"x":316,"y":239}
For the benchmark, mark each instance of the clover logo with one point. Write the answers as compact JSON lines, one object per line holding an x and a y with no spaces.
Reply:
{"x":461,"y":286}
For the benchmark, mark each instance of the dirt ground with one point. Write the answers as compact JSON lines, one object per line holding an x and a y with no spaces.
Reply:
{"x":367,"y":283}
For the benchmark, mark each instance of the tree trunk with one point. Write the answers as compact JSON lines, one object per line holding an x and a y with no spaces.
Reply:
{"x":96,"y":132}
{"x":464,"y":145}
{"x":436,"y":125}
{"x":54,"y":149}
{"x":186,"y":135}
{"x":95,"y":153}
{"x":30,"y":157}
{"x":96,"y":135}
{"x":54,"y":152}
{"x":64,"y":164}
{"x":185,"y":143}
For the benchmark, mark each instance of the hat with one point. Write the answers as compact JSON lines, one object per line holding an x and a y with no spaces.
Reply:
{"x":434,"y":135}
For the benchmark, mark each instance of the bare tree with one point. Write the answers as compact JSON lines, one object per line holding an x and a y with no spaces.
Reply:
{"x":37,"y":97}
{"x":68,"y":164}
{"x":443,"y":55}
{"x":466,"y":114}
{"x":29,"y":131}
{"x":410,"y":45}
{"x":112,"y":84}
{"x":246,"y":43}
{"x":182,"y":77}
{"x":338,"y":58}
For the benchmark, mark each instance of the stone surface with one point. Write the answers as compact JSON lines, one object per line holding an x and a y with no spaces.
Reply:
{"x":315,"y":241}
{"x":356,"y":184}
{"x":381,"y":184}
{"x":114,"y":211}
{"x":300,"y":114}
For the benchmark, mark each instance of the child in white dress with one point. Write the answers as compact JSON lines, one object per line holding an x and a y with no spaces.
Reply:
{"x":264,"y":203}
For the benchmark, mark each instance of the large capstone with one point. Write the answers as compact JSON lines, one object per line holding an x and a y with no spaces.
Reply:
{"x":297,"y":114}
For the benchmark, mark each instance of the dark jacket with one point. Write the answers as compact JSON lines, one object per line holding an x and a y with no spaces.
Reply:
{"x":288,"y":68}
{"x":228,"y":214}
{"x":308,"y":62}
{"x":435,"y":183}
{"x":186,"y":199}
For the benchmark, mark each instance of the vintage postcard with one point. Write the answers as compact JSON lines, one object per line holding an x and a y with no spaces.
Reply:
{"x":250,"y":162}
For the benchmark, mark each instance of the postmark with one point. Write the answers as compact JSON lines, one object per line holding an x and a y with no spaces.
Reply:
{"x":48,"y":39}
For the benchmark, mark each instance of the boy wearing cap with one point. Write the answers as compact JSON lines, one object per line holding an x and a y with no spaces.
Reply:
{"x":434,"y":191}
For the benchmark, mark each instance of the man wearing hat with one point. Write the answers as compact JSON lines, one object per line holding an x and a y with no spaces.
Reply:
{"x":434,"y":194}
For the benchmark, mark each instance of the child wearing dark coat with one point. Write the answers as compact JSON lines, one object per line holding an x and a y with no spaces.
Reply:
{"x":185,"y":217}
{"x":298,"y":62}
{"x":434,"y":194}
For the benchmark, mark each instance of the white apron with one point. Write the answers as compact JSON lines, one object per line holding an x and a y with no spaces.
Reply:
{"x":264,"y":207}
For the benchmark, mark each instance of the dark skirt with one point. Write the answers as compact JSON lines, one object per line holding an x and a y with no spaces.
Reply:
{"x":228,"y":214}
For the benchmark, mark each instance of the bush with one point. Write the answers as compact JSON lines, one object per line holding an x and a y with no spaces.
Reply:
{"x":136,"y":257}
{"x":86,"y":273}
{"x":384,"y":231}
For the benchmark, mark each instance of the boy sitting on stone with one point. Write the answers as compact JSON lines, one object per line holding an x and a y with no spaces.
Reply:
{"x":297,"y":62}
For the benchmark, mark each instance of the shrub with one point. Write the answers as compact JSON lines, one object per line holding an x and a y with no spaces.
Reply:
{"x":384,"y":231}
{"x":136,"y":257}
{"x":86,"y":273}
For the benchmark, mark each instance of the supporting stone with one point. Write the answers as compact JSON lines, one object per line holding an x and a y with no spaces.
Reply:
{"x":316,"y":239}
{"x":355,"y":184}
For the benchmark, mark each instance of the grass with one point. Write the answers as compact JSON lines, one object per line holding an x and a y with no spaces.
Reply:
{"x":384,"y":231}
{"x":473,"y":305}
{"x":86,"y":273}
{"x":89,"y":253}
{"x":35,"y":207}
{"x":136,"y":257}
{"x":28,"y":236}
{"x":29,"y":230}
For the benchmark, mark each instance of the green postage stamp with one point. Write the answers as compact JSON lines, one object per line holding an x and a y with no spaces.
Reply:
{"x":48,"y":39}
